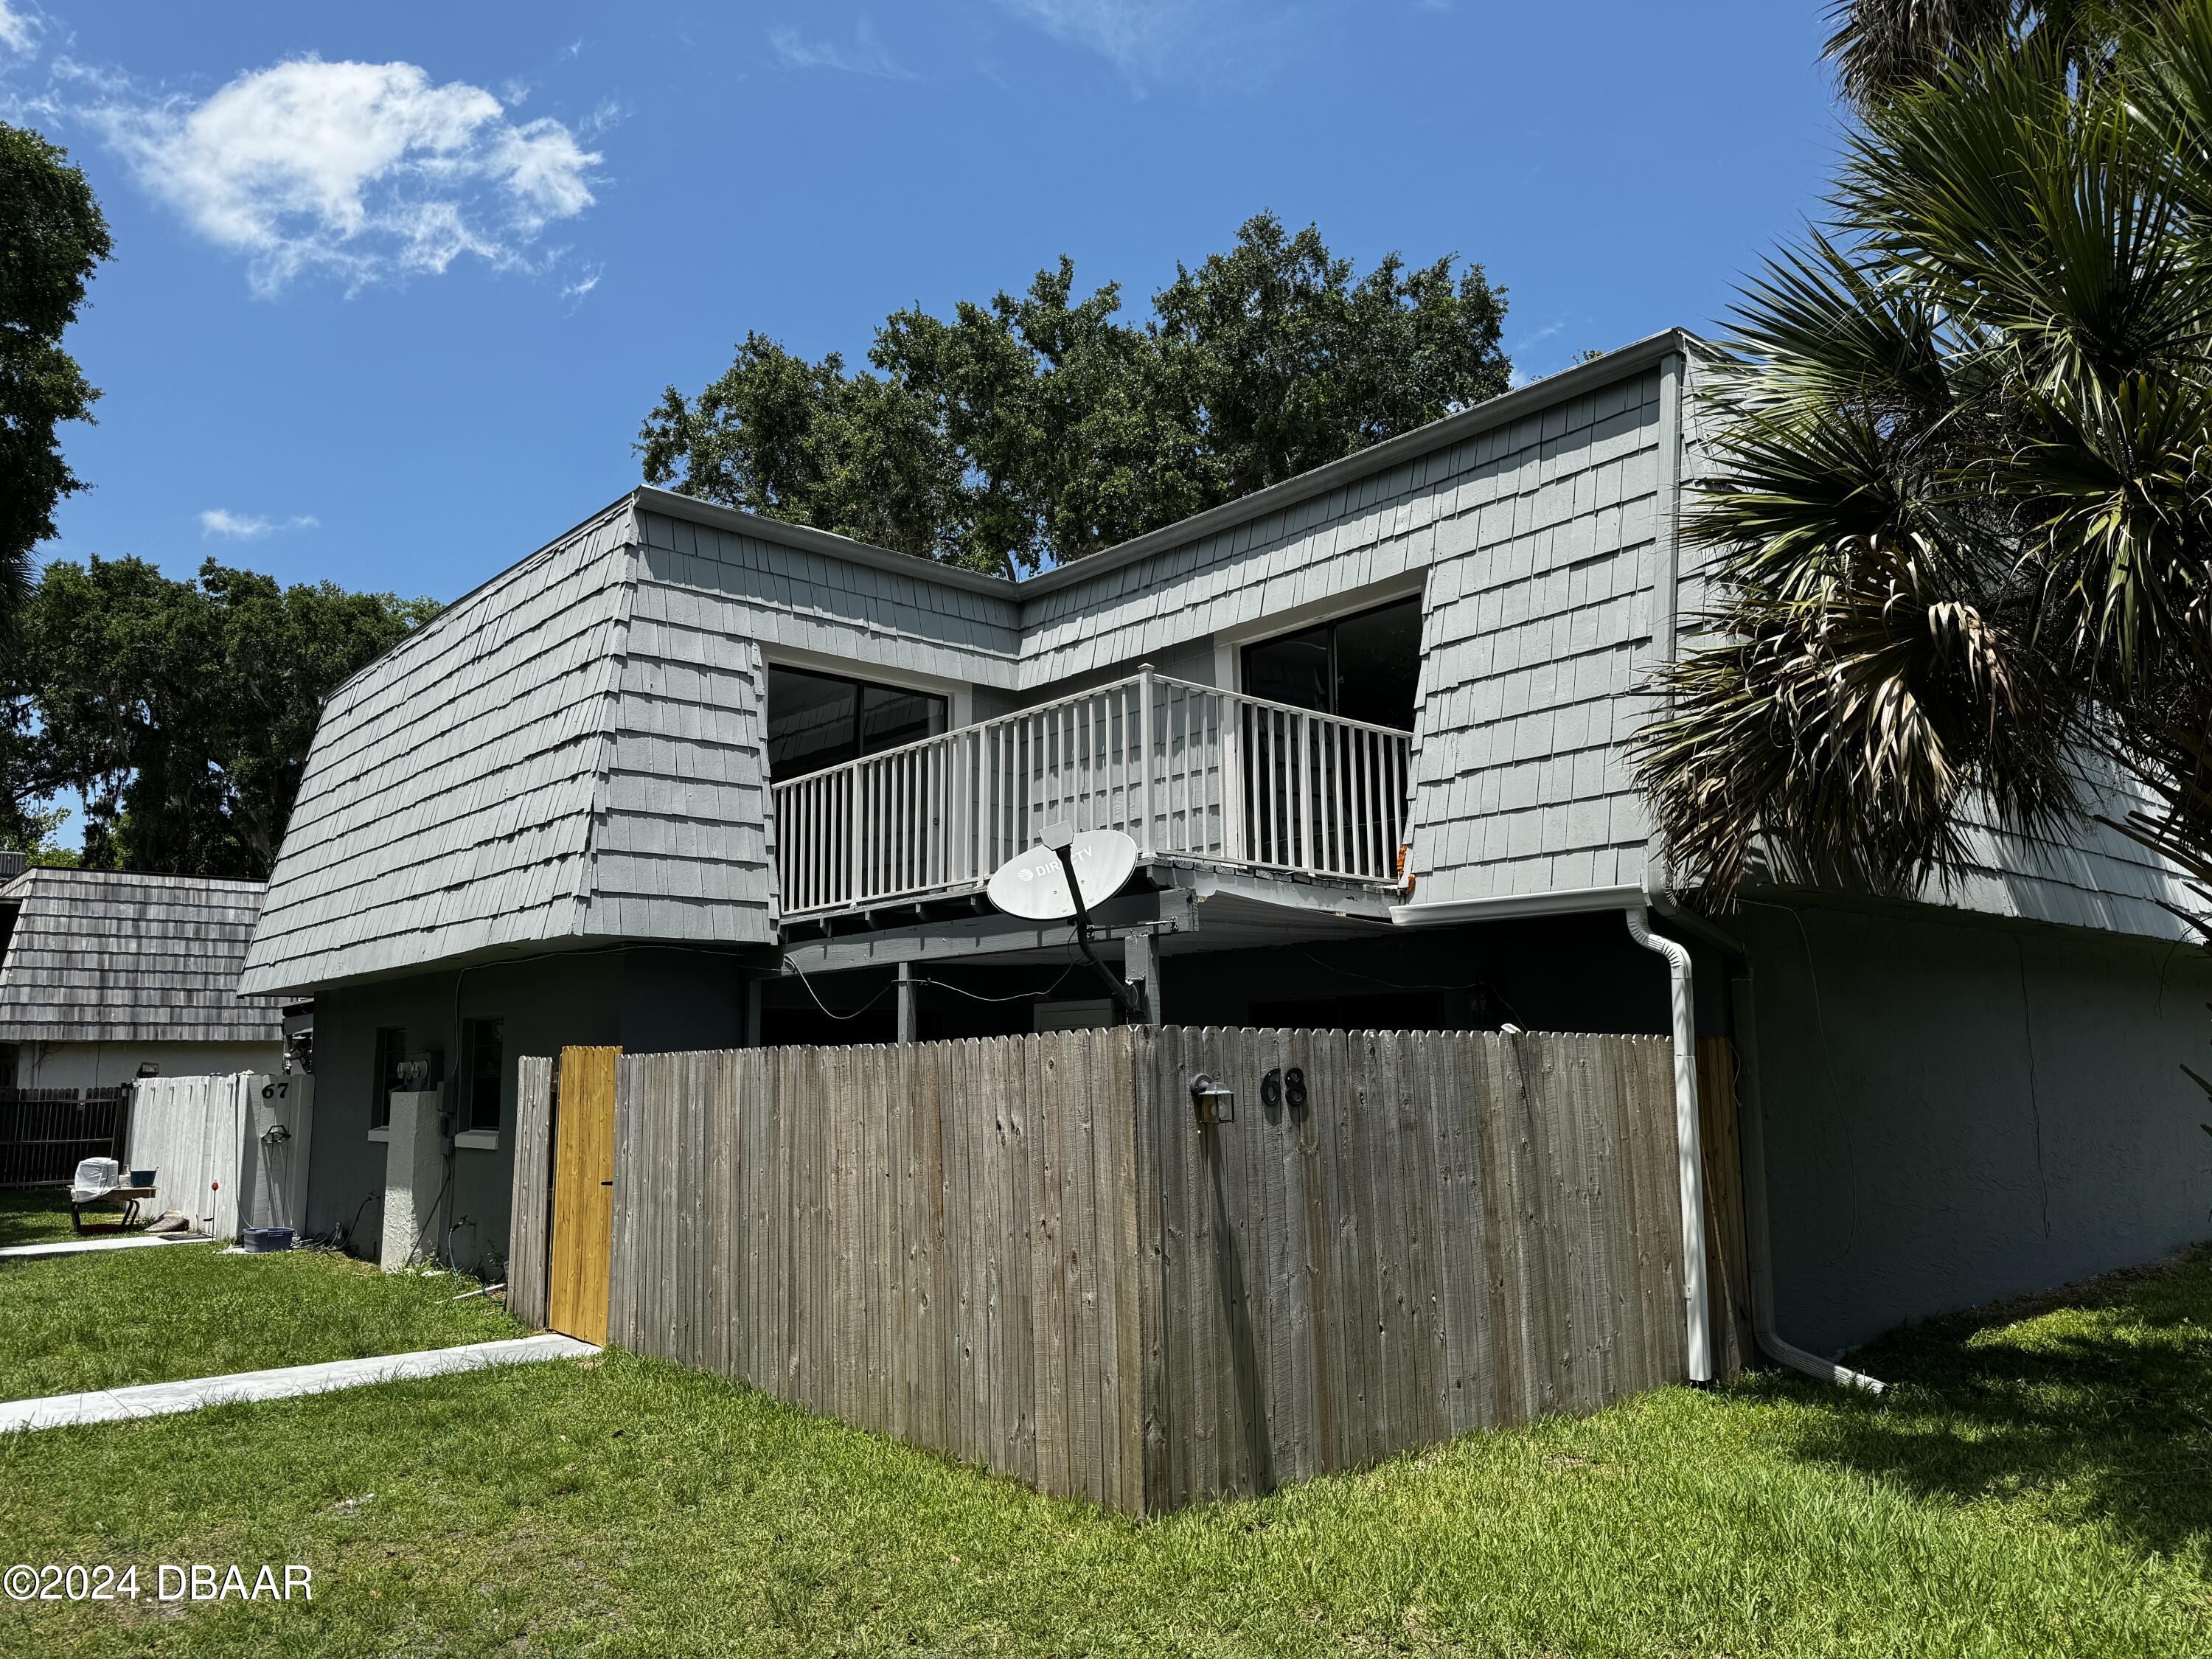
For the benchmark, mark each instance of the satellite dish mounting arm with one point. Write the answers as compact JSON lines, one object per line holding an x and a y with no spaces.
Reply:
{"x":1060,"y":838}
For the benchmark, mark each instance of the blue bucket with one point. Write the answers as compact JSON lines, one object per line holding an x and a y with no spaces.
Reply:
{"x":258,"y":1241}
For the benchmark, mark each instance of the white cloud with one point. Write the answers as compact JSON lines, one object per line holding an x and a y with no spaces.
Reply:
{"x":865,"y":56}
{"x":574,"y":292}
{"x":18,"y":29}
{"x":247,"y":526}
{"x":368,"y":171}
{"x":1158,"y":40}
{"x":1516,"y":348}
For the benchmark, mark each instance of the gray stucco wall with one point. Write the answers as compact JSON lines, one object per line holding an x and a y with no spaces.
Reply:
{"x":104,"y":1065}
{"x":643,"y":1000}
{"x":1960,"y":1109}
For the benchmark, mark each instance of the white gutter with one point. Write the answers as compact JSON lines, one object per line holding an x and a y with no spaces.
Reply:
{"x":1570,"y":901}
{"x":1689,"y":1153}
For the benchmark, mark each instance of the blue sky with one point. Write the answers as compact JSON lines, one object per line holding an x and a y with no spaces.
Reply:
{"x":394,"y":285}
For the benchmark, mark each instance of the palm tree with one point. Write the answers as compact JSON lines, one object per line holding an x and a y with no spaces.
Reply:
{"x":1881,"y":47}
{"x":1884,"y":48}
{"x":1960,"y":506}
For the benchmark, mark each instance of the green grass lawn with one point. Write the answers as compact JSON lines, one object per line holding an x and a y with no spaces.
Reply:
{"x":34,"y":1215}
{"x":109,"y":1318}
{"x":2041,"y":1482}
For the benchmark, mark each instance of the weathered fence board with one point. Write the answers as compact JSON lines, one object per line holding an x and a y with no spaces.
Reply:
{"x":935,"y":1241}
{"x":532,"y":1196}
{"x":1451,"y":1231}
{"x":1027,"y":1253}
{"x":192,"y":1133}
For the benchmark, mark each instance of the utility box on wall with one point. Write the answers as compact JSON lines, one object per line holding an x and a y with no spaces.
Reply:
{"x":414,"y":1179}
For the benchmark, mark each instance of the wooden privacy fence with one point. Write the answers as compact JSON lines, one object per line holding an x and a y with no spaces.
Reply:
{"x":227,"y":1152}
{"x":1028,"y":1253}
{"x":45,"y":1132}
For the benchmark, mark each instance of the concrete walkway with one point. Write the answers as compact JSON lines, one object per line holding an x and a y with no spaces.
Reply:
{"x":125,"y":1241}
{"x":161,"y":1399}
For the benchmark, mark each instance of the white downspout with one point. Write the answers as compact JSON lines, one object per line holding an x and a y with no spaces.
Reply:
{"x":1753,"y":1122}
{"x":1689,"y":1151}
{"x":1759,"y":1247}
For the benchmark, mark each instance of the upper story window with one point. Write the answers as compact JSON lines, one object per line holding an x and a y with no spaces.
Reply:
{"x":816,"y":721}
{"x":1364,"y":667}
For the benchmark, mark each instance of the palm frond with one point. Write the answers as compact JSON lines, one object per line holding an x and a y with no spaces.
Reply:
{"x":1957,"y":492}
{"x":1883,"y":47}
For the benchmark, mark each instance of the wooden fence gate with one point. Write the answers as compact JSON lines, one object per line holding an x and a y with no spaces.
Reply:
{"x":583,"y":1178}
{"x":1030,"y":1253}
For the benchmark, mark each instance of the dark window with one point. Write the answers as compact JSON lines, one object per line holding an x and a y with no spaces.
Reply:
{"x":1292,"y":668}
{"x":1366,"y":667}
{"x":484,"y":1056}
{"x":7,"y":1064}
{"x":890,"y":717}
{"x":816,"y":721}
{"x":390,"y":1049}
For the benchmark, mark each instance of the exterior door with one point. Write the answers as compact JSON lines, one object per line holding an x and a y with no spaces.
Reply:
{"x":583,"y":1193}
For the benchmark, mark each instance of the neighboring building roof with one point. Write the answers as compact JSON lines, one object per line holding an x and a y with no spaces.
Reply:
{"x":99,"y":955}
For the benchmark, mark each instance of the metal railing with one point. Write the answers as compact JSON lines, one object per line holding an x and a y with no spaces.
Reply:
{"x":1186,"y":770}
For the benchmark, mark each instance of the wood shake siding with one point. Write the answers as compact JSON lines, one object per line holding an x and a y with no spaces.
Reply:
{"x":577,"y":749}
{"x":448,"y":799}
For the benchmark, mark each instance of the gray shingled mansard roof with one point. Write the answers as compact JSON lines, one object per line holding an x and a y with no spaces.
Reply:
{"x":97,"y":956}
{"x":574,"y":752}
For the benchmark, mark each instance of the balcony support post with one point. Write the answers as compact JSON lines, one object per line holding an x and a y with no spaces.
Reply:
{"x":1140,"y":967}
{"x":909,"y":1003}
{"x":1145,"y":760}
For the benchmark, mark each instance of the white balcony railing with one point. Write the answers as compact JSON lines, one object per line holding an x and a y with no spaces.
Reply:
{"x":1188,"y":771}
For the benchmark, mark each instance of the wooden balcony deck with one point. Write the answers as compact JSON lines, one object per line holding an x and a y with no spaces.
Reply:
{"x":1192,"y":773}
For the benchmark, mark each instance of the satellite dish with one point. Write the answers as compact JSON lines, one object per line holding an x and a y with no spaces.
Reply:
{"x":1034,"y":884}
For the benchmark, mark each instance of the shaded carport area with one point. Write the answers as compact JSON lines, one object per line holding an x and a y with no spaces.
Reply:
{"x":1219,"y":949}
